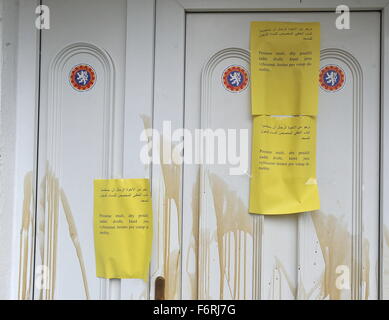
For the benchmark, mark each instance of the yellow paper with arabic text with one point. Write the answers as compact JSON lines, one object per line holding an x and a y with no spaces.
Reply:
{"x":283,"y":168}
{"x":122,"y":228}
{"x":285,"y":61}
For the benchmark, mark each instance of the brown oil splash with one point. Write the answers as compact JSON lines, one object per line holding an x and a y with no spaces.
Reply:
{"x":335,"y":243}
{"x":50,"y":232}
{"x":47,"y":237}
{"x":74,"y":236}
{"x":284,"y":275}
{"x":233,"y":222}
{"x":172,"y":182}
{"x":194,"y":244}
{"x":146,"y":121}
{"x":365,"y":269}
{"x":41,"y":223}
{"x":26,"y":244}
{"x":172,"y":176}
{"x":385,"y":285}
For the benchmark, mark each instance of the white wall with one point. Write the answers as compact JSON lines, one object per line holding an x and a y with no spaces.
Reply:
{"x":8,"y":50}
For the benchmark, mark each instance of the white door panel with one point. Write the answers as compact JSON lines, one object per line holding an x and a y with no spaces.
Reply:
{"x":80,"y":139}
{"x":295,"y":256}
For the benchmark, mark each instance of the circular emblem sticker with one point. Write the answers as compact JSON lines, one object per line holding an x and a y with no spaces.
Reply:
{"x":235,"y":79}
{"x":82,"y":77}
{"x":331,"y":78}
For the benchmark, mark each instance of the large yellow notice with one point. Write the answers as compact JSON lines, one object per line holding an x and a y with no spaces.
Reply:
{"x":122,"y":228}
{"x":283,"y":172}
{"x":285,"y":60}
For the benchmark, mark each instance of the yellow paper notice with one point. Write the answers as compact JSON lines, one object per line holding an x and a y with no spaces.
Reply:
{"x":283,"y":169}
{"x":285,"y":61}
{"x":122,"y":228}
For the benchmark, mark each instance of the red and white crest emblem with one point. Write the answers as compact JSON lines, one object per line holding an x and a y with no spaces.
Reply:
{"x":82,"y":77}
{"x":235,"y":78}
{"x":331,"y":78}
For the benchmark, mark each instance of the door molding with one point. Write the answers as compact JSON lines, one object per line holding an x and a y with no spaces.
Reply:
{"x":206,"y":193}
{"x":384,"y":169}
{"x":306,"y":232}
{"x":49,"y":205}
{"x":138,"y":113}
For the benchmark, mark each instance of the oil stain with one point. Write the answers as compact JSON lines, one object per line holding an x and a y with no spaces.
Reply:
{"x":26,"y":244}
{"x":194,"y":242}
{"x":281,"y":272}
{"x":234,"y":230}
{"x":74,"y":237}
{"x":336,"y":247}
{"x":171,"y":205}
{"x":171,"y":211}
{"x":47,"y":236}
{"x":335,"y":244}
{"x":385,"y":286}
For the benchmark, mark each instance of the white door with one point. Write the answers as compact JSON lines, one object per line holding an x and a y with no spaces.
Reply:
{"x":81,"y":131}
{"x":213,"y":248}
{"x":84,"y":114}
{"x":329,"y":254}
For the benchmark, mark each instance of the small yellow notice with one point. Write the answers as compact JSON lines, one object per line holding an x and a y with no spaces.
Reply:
{"x":285,"y":61}
{"x":283,"y":171}
{"x":122,"y":228}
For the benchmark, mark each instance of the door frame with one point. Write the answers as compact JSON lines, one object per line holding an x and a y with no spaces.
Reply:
{"x":27,"y":102}
{"x":169,"y":104}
